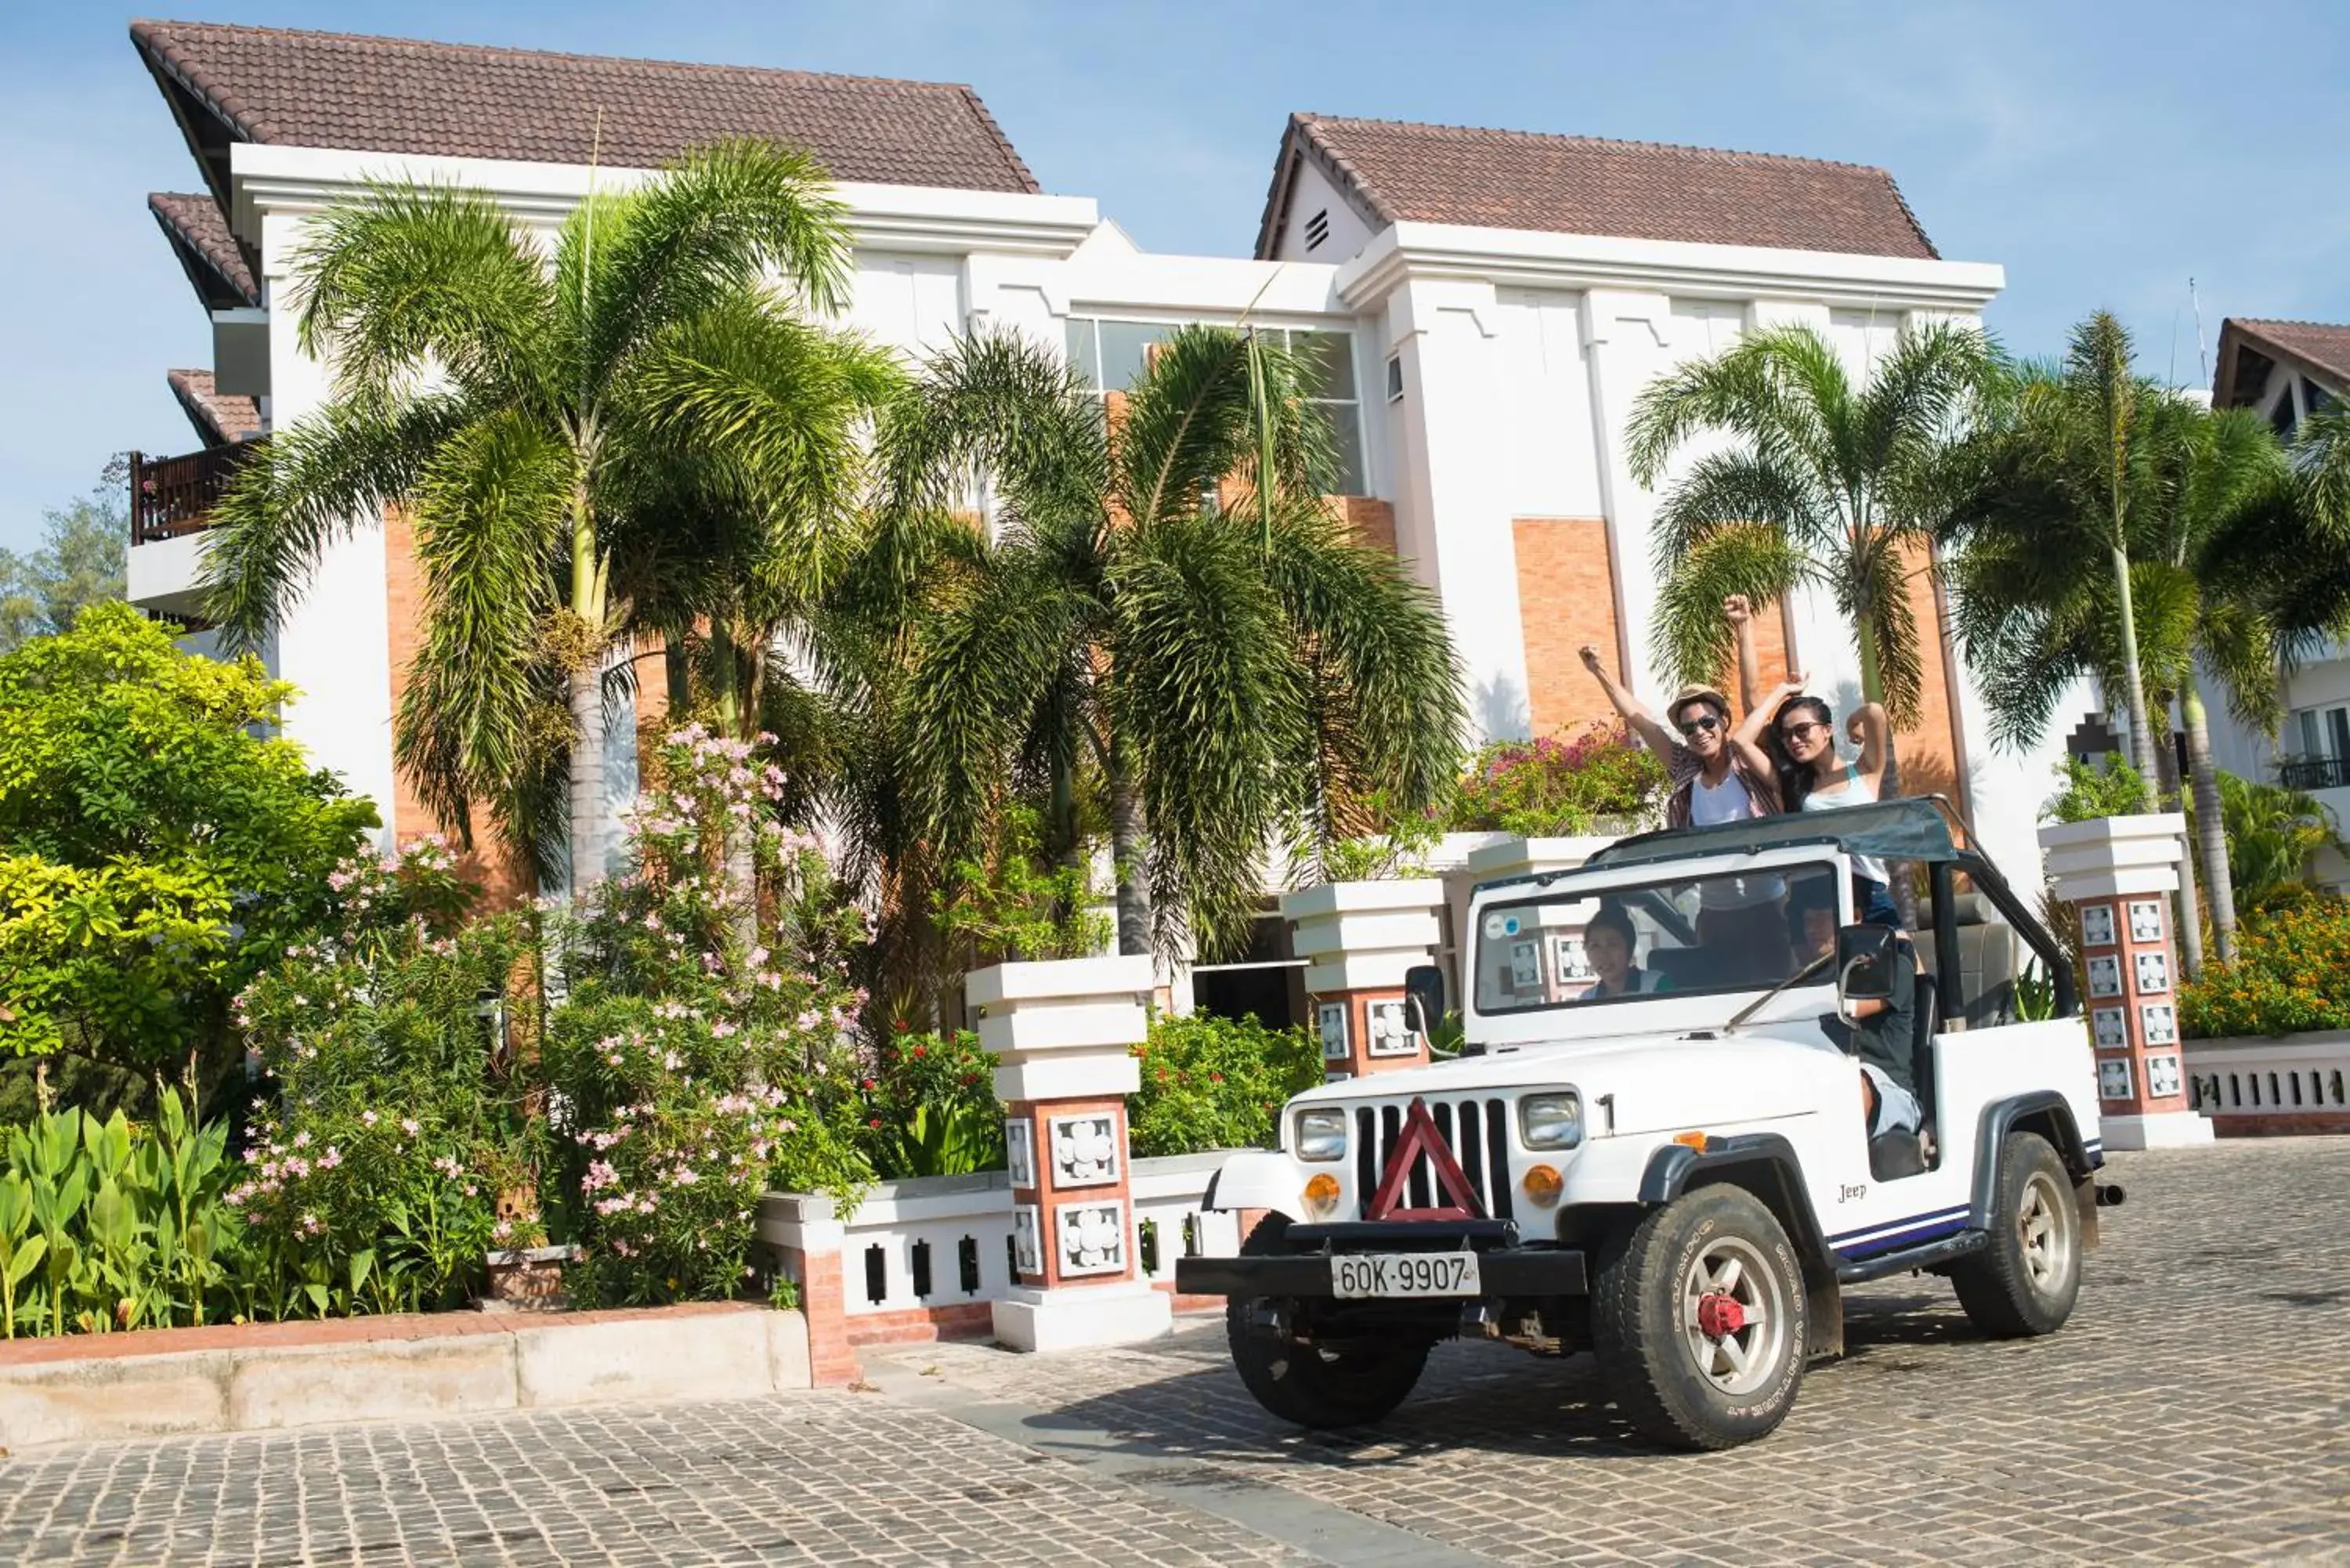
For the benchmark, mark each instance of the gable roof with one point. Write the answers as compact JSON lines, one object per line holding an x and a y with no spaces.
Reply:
{"x":340,"y":90}
{"x":1393,"y":172}
{"x":2248,"y":346}
{"x":219,"y":417}
{"x":208,"y":253}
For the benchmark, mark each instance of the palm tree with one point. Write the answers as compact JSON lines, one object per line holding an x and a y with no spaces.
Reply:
{"x":2199,"y":507}
{"x":557,"y":433}
{"x":1825,"y":483}
{"x":1167,"y":607}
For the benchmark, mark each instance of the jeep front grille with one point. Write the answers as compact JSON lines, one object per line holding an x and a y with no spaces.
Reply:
{"x":1476,"y":1131}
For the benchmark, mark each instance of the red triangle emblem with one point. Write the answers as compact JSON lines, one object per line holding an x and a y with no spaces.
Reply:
{"x":1420,"y":1137}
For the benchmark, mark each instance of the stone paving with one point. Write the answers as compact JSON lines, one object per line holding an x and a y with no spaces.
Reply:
{"x":2194,"y":1411}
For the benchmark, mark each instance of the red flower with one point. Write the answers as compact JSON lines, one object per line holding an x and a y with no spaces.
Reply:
{"x":869,"y":1084}
{"x":874,"y":1123}
{"x":920,"y":1051}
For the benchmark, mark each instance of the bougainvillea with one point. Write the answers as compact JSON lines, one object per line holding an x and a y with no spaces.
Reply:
{"x":1553,"y":787}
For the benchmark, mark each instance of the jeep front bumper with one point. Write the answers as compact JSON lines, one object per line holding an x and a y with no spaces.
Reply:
{"x":1505,"y":1267}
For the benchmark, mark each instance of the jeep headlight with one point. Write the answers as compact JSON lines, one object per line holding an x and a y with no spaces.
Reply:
{"x":1321,"y":1136}
{"x":1551,"y":1121}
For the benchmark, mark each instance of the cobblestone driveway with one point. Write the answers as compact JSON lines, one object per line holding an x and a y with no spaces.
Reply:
{"x":2193,"y":1412}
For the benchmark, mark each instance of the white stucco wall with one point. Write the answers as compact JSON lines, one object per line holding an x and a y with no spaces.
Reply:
{"x":1313,"y":193}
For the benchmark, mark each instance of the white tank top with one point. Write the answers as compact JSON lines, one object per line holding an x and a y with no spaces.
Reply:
{"x":1856,"y":791}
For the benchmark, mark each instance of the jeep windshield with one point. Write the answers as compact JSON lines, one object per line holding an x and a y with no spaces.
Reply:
{"x":1683,"y":936}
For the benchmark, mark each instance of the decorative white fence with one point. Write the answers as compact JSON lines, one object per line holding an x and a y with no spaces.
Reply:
{"x":2285,"y":1084}
{"x":945,"y":1242}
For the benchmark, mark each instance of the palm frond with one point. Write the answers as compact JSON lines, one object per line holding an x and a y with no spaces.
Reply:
{"x":410,"y":279}
{"x":709,"y":228}
{"x":1691,"y":640}
{"x":305,"y":488}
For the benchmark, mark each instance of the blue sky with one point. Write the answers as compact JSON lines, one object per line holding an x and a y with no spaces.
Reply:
{"x":2103,"y":153}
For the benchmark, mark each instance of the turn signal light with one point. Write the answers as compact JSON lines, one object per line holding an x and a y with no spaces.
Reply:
{"x":1695,"y":1140}
{"x":1322,"y":1193}
{"x":1542,"y":1183}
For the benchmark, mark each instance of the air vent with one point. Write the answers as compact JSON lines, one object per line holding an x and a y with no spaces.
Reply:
{"x":1317,"y":229}
{"x":1395,"y":378}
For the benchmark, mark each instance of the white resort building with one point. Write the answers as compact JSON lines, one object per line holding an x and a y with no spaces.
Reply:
{"x":1492,"y":301}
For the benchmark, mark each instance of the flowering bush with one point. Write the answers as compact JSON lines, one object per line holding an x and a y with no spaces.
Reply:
{"x":929,"y":1106}
{"x":2291,"y":973}
{"x":1546,"y":787}
{"x":1216,"y":1082}
{"x":704,"y":1051}
{"x":372,"y":1180}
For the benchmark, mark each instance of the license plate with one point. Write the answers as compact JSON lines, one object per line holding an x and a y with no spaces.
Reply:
{"x":1405,"y":1274}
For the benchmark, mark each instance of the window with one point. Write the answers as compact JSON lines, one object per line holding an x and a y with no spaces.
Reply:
{"x":1317,"y":229}
{"x":1112,"y":355}
{"x":2324,"y":738}
{"x":1395,"y":378}
{"x":1629,"y":943}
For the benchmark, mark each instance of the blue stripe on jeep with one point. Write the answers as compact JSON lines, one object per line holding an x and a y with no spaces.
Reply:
{"x":1867,"y":1234}
{"x":1923,"y":1231}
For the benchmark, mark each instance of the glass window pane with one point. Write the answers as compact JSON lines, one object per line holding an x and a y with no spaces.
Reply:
{"x":2337,"y":724}
{"x":1346,"y":441}
{"x":1329,"y":361}
{"x":1125,"y":347}
{"x":1082,"y":353}
{"x":2307,"y":720}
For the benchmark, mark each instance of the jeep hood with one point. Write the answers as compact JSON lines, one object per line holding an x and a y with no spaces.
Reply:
{"x":1660,"y":1082}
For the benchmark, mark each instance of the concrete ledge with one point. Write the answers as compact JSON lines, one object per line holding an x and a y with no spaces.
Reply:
{"x":260,"y":1376}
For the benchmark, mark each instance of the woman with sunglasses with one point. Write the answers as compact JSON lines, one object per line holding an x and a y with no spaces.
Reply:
{"x":1719,"y":775}
{"x":1816,"y":779}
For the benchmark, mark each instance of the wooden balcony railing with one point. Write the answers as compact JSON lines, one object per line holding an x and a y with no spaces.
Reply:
{"x":174,"y":495}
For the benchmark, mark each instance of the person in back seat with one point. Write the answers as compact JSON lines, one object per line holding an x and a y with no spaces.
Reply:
{"x":1883,"y":1033}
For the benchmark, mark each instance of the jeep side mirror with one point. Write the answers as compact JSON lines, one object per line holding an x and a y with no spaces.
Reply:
{"x":1424,"y":999}
{"x":1867,"y":963}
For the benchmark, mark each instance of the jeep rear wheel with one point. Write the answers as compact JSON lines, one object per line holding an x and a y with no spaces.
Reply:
{"x":1349,"y":1383}
{"x":1699,"y":1319}
{"x":2026,"y":1279}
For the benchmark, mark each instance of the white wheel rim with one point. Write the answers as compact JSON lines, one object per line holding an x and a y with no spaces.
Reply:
{"x":2044,"y":1229}
{"x":1731,"y":1287}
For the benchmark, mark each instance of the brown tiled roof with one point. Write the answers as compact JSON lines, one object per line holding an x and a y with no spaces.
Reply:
{"x":1581,"y":185}
{"x":219,"y":417}
{"x":2248,"y":346}
{"x":397,"y":95}
{"x":200,"y":235}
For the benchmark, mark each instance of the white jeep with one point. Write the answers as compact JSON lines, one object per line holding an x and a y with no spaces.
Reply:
{"x":1679,"y":1176}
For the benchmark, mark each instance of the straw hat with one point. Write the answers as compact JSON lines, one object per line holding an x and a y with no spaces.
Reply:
{"x":1689,"y":694}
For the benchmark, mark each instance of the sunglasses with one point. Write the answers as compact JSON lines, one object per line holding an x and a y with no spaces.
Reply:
{"x":1704,"y":724}
{"x":1798,"y":732}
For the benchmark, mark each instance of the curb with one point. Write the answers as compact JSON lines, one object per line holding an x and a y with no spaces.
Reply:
{"x":268,"y":1377}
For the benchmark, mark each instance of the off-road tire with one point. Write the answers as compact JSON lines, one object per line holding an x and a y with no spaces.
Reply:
{"x":1348,"y":1385}
{"x":1645,"y":1332}
{"x":2025,"y":1281}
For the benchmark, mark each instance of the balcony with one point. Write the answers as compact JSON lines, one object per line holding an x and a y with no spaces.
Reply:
{"x":171,"y":502}
{"x":2313,"y":773}
{"x":172,"y":496}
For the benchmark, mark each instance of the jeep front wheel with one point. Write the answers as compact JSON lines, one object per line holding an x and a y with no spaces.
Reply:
{"x":2025,"y":1280}
{"x":1349,"y":1383}
{"x":1699,"y":1319}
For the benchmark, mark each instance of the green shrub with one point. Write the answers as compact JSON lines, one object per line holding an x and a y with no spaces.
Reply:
{"x":400,"y":1117}
{"x":156,"y":850}
{"x":1214,"y":1082}
{"x":2092,"y":790}
{"x":1552,"y":787}
{"x":114,"y":1225}
{"x":929,"y":1108}
{"x":2291,"y":974}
